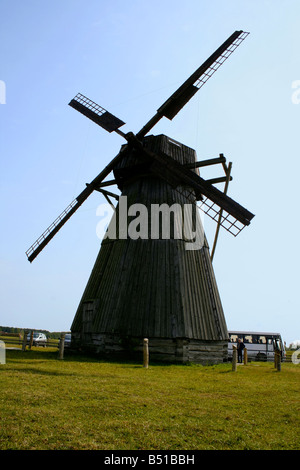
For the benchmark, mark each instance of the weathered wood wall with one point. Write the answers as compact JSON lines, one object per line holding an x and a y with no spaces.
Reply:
{"x":160,"y":349}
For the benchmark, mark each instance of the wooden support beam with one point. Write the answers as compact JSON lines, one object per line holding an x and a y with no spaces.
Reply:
{"x":210,"y":161}
{"x":108,"y":200}
{"x":228,"y":171}
{"x":107,"y":183}
{"x":108,"y":193}
{"x":222,"y":179}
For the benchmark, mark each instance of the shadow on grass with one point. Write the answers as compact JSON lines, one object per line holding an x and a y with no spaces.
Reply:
{"x":37,"y":356}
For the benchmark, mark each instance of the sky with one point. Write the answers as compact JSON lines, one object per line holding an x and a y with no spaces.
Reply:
{"x":129,"y":57}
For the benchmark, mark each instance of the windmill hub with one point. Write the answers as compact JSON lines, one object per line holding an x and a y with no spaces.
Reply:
{"x":159,"y":211}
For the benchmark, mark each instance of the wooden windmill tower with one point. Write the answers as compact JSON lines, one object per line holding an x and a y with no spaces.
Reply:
{"x":147,"y":282}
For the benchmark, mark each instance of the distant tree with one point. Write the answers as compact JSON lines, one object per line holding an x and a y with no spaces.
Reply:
{"x":295,"y":344}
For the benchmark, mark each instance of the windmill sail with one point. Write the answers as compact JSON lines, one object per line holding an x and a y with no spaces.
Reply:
{"x":49,"y":233}
{"x":96,"y":113}
{"x":165,"y":165}
{"x":186,"y":91}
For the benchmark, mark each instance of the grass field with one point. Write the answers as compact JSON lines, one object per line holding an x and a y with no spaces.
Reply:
{"x":82,"y":403}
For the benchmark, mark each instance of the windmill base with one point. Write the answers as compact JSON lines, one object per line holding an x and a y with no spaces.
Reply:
{"x":179,"y":350}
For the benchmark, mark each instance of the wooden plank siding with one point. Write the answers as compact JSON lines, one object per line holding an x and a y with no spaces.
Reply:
{"x":153,"y":288}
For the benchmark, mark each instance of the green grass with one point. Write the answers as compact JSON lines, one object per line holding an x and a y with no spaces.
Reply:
{"x":82,"y":403}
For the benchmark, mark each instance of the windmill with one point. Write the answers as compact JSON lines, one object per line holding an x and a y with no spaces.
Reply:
{"x":155,"y":286}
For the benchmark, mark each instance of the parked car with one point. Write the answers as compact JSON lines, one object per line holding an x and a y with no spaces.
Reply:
{"x":67,"y":342}
{"x":39,"y":339}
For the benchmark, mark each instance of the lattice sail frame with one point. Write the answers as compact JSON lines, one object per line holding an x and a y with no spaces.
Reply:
{"x":221,"y":59}
{"x":49,"y":229}
{"x":96,"y":108}
{"x":228,"y":222}
{"x":215,"y":212}
{"x":96,"y":113}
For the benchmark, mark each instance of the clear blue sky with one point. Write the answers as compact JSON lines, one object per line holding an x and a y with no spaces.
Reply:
{"x":129,"y":57}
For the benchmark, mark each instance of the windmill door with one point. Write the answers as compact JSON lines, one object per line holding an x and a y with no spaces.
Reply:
{"x":88,"y":314}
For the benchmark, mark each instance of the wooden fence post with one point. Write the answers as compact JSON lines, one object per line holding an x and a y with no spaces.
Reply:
{"x":31,"y":339}
{"x":2,"y":353}
{"x":277,"y":353}
{"x":245,"y":356}
{"x":24,"y":340}
{"x":234,"y":358}
{"x":275,"y":358}
{"x":146,"y":353}
{"x":62,"y":346}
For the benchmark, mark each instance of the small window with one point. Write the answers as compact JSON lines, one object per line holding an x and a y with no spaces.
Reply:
{"x":174,"y":143}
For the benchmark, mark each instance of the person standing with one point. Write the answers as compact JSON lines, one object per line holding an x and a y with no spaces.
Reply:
{"x":240,"y":347}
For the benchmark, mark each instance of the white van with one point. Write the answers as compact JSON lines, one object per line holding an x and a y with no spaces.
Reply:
{"x":39,"y":339}
{"x":260,"y":346}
